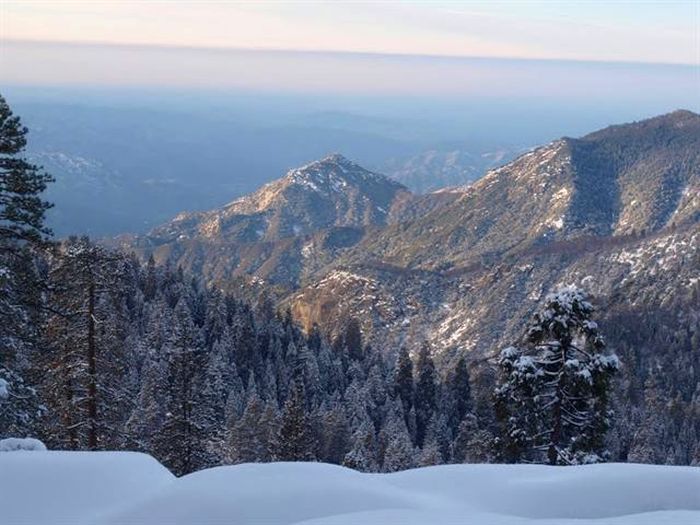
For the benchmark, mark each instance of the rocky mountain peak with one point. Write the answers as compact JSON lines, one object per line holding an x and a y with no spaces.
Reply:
{"x":334,"y":173}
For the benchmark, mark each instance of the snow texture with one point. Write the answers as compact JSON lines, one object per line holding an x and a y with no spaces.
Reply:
{"x":19,"y":444}
{"x":115,"y":488}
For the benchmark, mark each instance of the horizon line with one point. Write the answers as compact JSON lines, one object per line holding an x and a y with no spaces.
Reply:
{"x":334,"y":52}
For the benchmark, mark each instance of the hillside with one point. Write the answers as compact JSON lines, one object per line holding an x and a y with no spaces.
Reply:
{"x":627,"y":179}
{"x":463,"y":268}
{"x":277,"y":232}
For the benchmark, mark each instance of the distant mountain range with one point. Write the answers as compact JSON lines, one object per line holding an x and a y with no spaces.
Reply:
{"x":128,"y":168}
{"x":616,"y":211}
{"x":435,"y":169}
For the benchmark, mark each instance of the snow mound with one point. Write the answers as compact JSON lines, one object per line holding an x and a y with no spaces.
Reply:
{"x":54,"y":488}
{"x":60,"y":488}
{"x":312,"y":493}
{"x":272,"y":493}
{"x":16,"y":444}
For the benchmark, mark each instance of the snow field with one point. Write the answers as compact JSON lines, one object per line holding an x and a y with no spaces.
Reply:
{"x":122,"y":488}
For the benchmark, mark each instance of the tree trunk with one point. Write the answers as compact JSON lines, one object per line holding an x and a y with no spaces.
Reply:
{"x":552,"y":454}
{"x":92,"y":371}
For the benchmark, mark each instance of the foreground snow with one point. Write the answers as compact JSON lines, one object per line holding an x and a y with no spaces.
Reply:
{"x":116,"y":488}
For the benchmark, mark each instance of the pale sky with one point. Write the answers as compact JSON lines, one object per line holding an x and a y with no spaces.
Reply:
{"x":641,"y":31}
{"x":594,"y":49}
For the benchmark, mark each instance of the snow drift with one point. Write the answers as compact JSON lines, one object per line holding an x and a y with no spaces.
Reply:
{"x":47,"y":488}
{"x":51,"y":488}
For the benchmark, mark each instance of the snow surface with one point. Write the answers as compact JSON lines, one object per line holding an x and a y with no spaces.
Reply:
{"x":118,"y":488}
{"x":74,"y":488}
{"x":19,"y":444}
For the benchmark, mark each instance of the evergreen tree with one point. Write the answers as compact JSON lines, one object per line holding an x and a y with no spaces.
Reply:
{"x":295,"y":437}
{"x":399,"y":453}
{"x":362,"y":455}
{"x":403,"y":379}
{"x":22,"y":230}
{"x":460,"y":396}
{"x":86,"y":354}
{"x":180,"y":444}
{"x":553,"y":396}
{"x":425,"y":394}
{"x":246,"y":441}
{"x":472,"y":443}
{"x":335,"y":435}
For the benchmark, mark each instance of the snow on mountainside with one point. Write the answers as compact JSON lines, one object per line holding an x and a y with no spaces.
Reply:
{"x":463,"y":269}
{"x":627,"y":179}
{"x":286,"y":229}
{"x":115,"y":488}
{"x":330,"y":192}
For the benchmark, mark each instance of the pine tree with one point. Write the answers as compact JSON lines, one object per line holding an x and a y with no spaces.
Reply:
{"x":270,"y":425}
{"x":295,"y":437}
{"x":553,"y":395}
{"x":425,"y":394}
{"x":472,"y":443}
{"x":399,"y":453}
{"x":86,"y":352}
{"x":22,"y":230}
{"x":459,"y":392}
{"x":180,"y":444}
{"x":335,"y":435}
{"x":246,"y":441}
{"x":403,"y":379}
{"x":362,"y":455}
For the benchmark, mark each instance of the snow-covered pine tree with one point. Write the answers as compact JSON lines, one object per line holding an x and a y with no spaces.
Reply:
{"x":246,"y":440}
{"x":425,"y":393}
{"x":335,"y":432}
{"x":181,"y":442}
{"x":399,"y":453}
{"x":85,"y":345}
{"x":22,"y":229}
{"x":295,"y":437}
{"x":362,"y":455}
{"x":270,"y":425}
{"x":472,"y":444}
{"x":552,"y":400}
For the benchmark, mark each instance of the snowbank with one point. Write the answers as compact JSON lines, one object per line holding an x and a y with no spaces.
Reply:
{"x":16,"y":444}
{"x":125,"y":488}
{"x":62,"y":488}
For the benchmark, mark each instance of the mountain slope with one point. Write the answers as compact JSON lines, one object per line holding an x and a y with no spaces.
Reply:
{"x":601,"y":211}
{"x":274,"y":233}
{"x":625,"y":179}
{"x":464,"y":268}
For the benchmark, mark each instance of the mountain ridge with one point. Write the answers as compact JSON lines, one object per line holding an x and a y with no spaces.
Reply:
{"x":566,"y":210}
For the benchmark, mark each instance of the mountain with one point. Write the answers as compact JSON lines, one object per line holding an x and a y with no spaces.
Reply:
{"x":277,"y":232}
{"x":615,"y":212}
{"x":439,"y":168}
{"x":345,"y":242}
{"x":638,"y":177}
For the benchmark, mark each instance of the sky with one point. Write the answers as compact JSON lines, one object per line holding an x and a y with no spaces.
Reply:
{"x":534,"y":48}
{"x":641,"y":31}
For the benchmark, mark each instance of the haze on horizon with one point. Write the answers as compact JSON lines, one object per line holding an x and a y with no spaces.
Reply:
{"x":502,"y":48}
